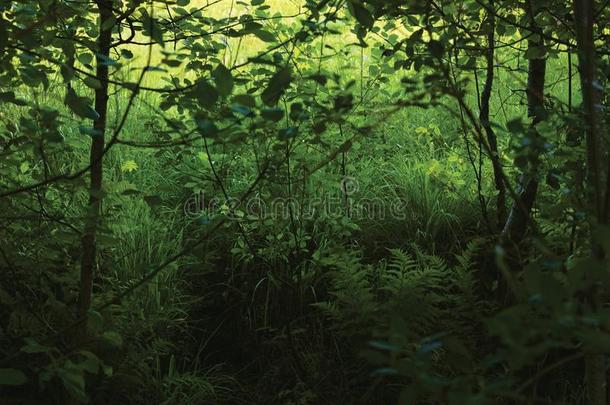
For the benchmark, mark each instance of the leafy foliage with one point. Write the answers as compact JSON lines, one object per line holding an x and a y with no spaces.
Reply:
{"x":334,"y":201}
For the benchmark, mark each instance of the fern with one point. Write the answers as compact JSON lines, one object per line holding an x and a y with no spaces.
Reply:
{"x":352,"y":288}
{"x":419,"y":290}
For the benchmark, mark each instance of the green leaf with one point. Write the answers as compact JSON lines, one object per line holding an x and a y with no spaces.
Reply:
{"x":24,"y":167}
{"x":172,"y":63}
{"x":241,"y":109}
{"x":277,"y":86}
{"x":272,"y":114}
{"x":515,"y":126}
{"x":113,"y":338}
{"x":80,"y":105}
{"x":152,"y":29}
{"x":362,"y":15}
{"x":91,"y":364}
{"x":92,"y":82}
{"x":288,"y":133}
{"x":73,"y":379}
{"x":11,"y":376}
{"x":126,"y":53}
{"x":85,"y":58}
{"x":95,"y":321}
{"x":33,"y":76}
{"x":264,"y":36}
{"x":245,"y":100}
{"x":436,"y":48}
{"x":207,"y":127}
{"x":107,"y":370}
{"x":223,"y":79}
{"x":206,"y":94}
{"x":297,"y":113}
{"x":33,"y":346}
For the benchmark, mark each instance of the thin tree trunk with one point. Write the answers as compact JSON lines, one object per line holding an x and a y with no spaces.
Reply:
{"x":597,"y":160}
{"x":591,"y":96}
{"x":516,"y":224}
{"x":96,"y":160}
{"x":484,"y":117}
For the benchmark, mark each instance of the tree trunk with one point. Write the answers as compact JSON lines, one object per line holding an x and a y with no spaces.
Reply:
{"x":96,"y":161}
{"x":591,"y":96}
{"x":484,"y":117}
{"x":516,"y":224}
{"x":597,"y":161}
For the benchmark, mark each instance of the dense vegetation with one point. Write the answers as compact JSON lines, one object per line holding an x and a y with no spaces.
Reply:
{"x":304,"y":201}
